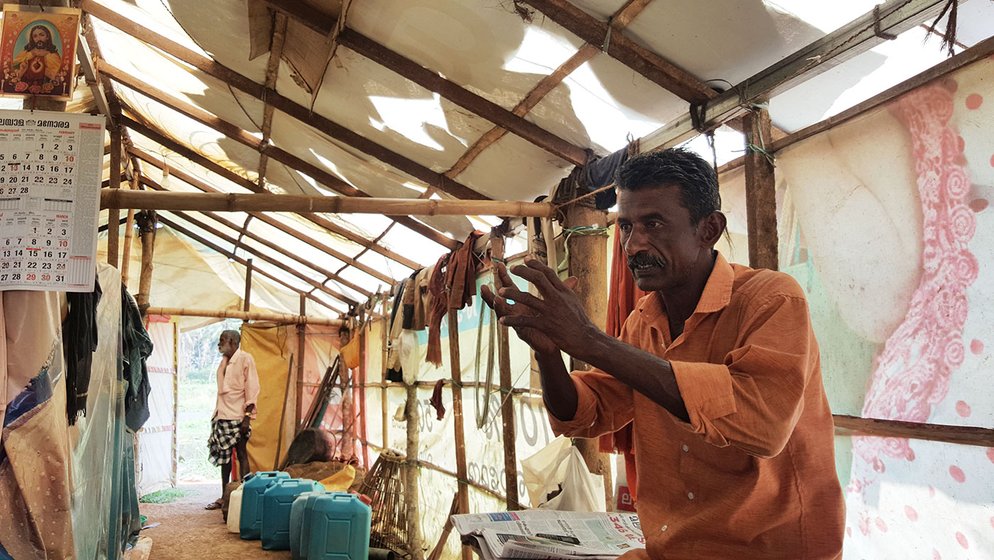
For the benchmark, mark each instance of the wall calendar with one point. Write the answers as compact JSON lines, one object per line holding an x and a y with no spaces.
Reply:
{"x":50,"y":170}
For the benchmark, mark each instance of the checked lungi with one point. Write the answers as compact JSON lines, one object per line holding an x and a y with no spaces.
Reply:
{"x":225,"y":434}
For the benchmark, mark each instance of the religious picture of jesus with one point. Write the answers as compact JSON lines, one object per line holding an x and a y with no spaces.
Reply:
{"x":38,"y":51}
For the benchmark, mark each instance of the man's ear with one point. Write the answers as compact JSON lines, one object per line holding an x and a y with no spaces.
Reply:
{"x":711,"y":227}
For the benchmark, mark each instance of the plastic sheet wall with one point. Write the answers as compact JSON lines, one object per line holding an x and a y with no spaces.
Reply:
{"x":157,"y":439}
{"x":104,"y":506}
{"x":886,"y":224}
{"x":437,"y":451}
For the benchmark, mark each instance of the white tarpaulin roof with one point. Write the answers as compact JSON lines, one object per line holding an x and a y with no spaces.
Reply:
{"x":512,"y":54}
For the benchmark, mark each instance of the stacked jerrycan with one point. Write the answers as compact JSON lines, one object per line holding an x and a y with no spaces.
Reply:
{"x":235,"y":508}
{"x":298,"y":531}
{"x":250,"y":523}
{"x":277,"y":502}
{"x":329,"y":526}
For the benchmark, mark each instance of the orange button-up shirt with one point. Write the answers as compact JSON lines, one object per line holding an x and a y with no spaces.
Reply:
{"x":752,"y":476}
{"x":237,"y":386}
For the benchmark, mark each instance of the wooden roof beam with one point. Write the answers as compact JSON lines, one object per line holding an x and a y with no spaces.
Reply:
{"x":329,"y":275}
{"x":647,"y":63}
{"x":619,"y":21}
{"x":272,"y":71}
{"x":268,"y":220}
{"x":221,"y":202}
{"x":203,"y":241}
{"x":434,"y":82}
{"x":317,"y":220}
{"x":299,"y":112}
{"x":857,"y":36}
{"x":274,"y":246}
{"x":462,"y":97}
{"x":261,"y":255}
{"x":247,"y":139}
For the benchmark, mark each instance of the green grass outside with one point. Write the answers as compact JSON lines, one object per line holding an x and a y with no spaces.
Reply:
{"x":196,"y":403}
{"x":163,"y":496}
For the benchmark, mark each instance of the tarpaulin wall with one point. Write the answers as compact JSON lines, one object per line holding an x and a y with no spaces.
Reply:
{"x":484,"y":445}
{"x":885,"y":222}
{"x":157,"y":438}
{"x":65,"y":491}
{"x":272,"y":347}
{"x":35,"y":485}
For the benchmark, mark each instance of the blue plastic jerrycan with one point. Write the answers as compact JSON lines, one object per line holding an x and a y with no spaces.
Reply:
{"x":277,"y":501}
{"x":338,"y":528}
{"x":299,"y":513}
{"x":250,"y":524}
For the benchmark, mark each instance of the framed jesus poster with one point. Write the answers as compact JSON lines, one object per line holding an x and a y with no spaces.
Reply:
{"x":38,"y":51}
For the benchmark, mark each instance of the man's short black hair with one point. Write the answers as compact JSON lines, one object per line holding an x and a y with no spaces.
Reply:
{"x":233,"y":336}
{"x":679,"y":167}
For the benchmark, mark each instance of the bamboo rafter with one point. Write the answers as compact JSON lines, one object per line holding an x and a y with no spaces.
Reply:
{"x":269,"y":316}
{"x":220,"y":250}
{"x":214,"y":167}
{"x":247,"y":139}
{"x":221,"y":202}
{"x":261,"y":255}
{"x":282,"y":103}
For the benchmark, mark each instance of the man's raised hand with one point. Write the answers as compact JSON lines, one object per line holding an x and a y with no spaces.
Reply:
{"x":553,"y":322}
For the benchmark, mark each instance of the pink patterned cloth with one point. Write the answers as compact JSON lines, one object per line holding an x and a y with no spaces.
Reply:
{"x":913,"y":371}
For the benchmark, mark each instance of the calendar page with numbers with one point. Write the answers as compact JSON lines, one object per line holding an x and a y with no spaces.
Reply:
{"x":50,"y":171}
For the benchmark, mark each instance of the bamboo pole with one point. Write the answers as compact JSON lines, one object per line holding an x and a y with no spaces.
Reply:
{"x":246,"y":138}
{"x":301,"y":350}
{"x":209,"y":165}
{"x":129,"y":235}
{"x":299,"y":112}
{"x":220,"y":202}
{"x":174,"y":475}
{"x":179,"y":228}
{"x":506,"y":385}
{"x":411,"y":475}
{"x":963,"y":435}
{"x":588,"y":263}
{"x":385,"y":426}
{"x":147,"y":229}
{"x":286,"y":318}
{"x":969,"y":56}
{"x":246,"y":305}
{"x":265,"y":257}
{"x":455,"y":363}
{"x":360,"y":390}
{"x":114,"y":214}
{"x":761,"y":198}
{"x":281,"y":249}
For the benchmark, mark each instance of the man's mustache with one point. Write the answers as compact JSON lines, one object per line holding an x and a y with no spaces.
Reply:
{"x":644,"y":259}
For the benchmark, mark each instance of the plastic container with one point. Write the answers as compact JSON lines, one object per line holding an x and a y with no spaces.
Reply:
{"x":277,"y":501}
{"x":299,"y":513}
{"x":250,"y":524}
{"x":338,"y":528}
{"x":235,"y":510}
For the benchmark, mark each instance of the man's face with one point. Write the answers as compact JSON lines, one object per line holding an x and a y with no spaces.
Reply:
{"x":661,"y":243}
{"x":39,"y":36}
{"x":226,"y":346}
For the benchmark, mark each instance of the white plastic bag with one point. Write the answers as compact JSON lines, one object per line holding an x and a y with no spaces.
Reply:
{"x":557,"y":478}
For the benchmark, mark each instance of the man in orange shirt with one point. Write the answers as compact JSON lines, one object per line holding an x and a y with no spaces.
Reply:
{"x":717,"y":370}
{"x":237,"y":393}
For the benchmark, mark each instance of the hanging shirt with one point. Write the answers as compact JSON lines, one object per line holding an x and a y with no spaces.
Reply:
{"x":237,"y":386}
{"x":752,"y":475}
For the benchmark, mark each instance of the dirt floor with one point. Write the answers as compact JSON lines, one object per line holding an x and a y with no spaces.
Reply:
{"x":187,"y":530}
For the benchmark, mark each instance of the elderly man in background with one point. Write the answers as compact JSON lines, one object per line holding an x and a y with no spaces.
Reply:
{"x":237,"y":393}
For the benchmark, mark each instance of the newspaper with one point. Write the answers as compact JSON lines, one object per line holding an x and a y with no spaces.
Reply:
{"x":554,"y":535}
